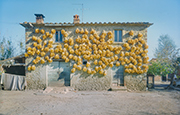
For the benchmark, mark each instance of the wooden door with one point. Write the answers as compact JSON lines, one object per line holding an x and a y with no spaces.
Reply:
{"x":118,"y":75}
{"x":58,"y":74}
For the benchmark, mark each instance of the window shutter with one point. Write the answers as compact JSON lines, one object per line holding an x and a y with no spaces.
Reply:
{"x":118,"y":36}
{"x":61,"y":37}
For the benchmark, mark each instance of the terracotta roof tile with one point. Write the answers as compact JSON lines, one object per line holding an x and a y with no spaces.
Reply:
{"x":88,"y":23}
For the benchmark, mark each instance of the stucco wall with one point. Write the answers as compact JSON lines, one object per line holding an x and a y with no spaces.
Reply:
{"x":157,"y":78}
{"x":35,"y":79}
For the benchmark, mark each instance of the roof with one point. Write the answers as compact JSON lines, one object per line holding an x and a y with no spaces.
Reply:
{"x":147,"y":24}
{"x":10,"y":60}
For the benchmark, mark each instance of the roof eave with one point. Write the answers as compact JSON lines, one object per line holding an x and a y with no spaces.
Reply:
{"x":29,"y":24}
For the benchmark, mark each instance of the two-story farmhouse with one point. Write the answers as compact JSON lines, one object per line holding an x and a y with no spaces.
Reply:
{"x":86,"y":56}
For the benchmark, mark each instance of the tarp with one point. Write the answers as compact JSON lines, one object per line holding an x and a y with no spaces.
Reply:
{"x":13,"y":82}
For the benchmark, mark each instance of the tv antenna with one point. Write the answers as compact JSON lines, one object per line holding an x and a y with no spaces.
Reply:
{"x":81,"y":9}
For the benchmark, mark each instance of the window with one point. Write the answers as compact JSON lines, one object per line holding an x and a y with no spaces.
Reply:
{"x":118,"y":36}
{"x":59,"y":37}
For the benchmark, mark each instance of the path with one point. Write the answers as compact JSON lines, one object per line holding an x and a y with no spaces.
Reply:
{"x":90,"y":103}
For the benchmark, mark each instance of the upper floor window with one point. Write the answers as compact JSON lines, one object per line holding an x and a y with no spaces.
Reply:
{"x":118,"y":36}
{"x":59,"y":36}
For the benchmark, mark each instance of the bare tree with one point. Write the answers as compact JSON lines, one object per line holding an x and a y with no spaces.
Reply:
{"x":20,"y":47}
{"x":7,"y":49}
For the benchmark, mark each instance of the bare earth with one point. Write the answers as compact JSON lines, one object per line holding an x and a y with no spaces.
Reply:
{"x":90,"y":103}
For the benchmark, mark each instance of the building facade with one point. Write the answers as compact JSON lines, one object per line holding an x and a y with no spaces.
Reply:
{"x":86,"y":56}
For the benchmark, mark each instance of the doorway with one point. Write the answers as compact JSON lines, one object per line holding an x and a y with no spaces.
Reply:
{"x":58,"y":74}
{"x":118,"y":76}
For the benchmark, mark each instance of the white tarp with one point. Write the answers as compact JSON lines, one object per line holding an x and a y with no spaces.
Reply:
{"x":13,"y":82}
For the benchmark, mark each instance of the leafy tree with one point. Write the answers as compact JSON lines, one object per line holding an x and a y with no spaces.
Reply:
{"x":167,"y":55}
{"x":157,"y":68}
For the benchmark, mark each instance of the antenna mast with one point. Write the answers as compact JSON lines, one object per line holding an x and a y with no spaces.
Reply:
{"x":82,"y":12}
{"x":81,"y":9}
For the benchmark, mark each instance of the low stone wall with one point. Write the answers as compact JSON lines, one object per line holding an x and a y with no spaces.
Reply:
{"x":135,"y":82}
{"x":34,"y":83}
{"x":82,"y":81}
{"x":36,"y":79}
{"x":93,"y":83}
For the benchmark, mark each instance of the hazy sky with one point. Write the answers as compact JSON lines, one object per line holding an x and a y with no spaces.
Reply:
{"x":165,"y":14}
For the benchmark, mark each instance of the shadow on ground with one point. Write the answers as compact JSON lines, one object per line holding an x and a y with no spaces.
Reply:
{"x":159,"y":87}
{"x":163,"y":87}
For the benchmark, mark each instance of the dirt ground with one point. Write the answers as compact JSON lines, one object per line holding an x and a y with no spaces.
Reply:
{"x":90,"y":103}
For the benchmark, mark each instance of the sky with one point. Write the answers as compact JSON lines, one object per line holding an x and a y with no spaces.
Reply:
{"x":164,"y":14}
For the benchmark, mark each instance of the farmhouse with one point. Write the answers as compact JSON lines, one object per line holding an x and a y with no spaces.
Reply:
{"x":86,"y":56}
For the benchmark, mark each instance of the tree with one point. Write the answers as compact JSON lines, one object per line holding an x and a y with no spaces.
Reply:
{"x":157,"y":68}
{"x":21,"y":47}
{"x":167,"y":55}
{"x":7,"y":49}
{"x":166,"y":47}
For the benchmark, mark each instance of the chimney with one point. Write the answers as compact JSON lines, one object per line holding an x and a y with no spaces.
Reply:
{"x":39,"y":18}
{"x":76,"y":19}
